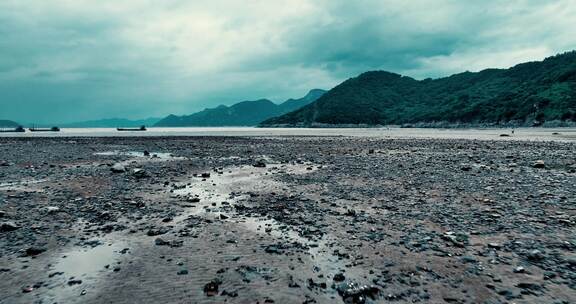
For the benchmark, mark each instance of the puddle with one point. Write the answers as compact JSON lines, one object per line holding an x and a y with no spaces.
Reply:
{"x":76,"y":272}
{"x":153,"y":155}
{"x":273,"y":228}
{"x":88,"y":262}
{"x":232,"y":184}
{"x":237,"y":183}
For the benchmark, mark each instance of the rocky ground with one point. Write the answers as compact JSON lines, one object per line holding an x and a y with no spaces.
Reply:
{"x":286,"y":220}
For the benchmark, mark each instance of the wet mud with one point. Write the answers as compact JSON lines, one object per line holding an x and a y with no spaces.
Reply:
{"x":286,"y":220}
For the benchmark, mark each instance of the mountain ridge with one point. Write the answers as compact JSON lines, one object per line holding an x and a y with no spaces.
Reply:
{"x":244,"y":113}
{"x":4,"y":123}
{"x":528,"y":93}
{"x":111,"y":123}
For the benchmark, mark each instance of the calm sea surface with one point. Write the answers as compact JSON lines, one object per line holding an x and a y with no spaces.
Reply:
{"x":560,"y":134}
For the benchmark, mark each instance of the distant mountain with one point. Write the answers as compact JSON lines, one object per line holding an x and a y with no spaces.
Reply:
{"x":245,"y":113}
{"x":529,"y":93}
{"x":8,"y":124}
{"x":111,"y":123}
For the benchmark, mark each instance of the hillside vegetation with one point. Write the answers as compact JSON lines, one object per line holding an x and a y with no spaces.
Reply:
{"x":527,"y":94}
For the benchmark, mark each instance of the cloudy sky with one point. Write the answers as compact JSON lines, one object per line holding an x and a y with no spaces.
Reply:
{"x":71,"y":60}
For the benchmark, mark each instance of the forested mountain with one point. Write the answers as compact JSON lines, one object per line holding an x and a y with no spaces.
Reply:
{"x":111,"y":123}
{"x":245,"y":113}
{"x":527,"y":94}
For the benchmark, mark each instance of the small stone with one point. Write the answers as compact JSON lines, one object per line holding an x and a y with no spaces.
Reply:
{"x":494,"y":245}
{"x":27,"y":289}
{"x":272,"y":249}
{"x":549,"y":275}
{"x":74,"y":282}
{"x":539,"y":164}
{"x":260,"y":164}
{"x":535,"y":255}
{"x":468,"y":259}
{"x":118,"y":168}
{"x":339,"y":277}
{"x":157,"y":231}
{"x":519,"y":269}
{"x":530,"y":286}
{"x":205,"y":175}
{"x":8,"y":226}
{"x":161,"y":242}
{"x":52,"y":209}
{"x":139,"y":173}
{"x":232,"y":294}
{"x":211,"y":288}
{"x":182,"y":272}
{"x":34,"y":251}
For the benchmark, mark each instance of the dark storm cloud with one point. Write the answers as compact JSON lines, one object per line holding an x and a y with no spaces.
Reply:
{"x":74,"y":60}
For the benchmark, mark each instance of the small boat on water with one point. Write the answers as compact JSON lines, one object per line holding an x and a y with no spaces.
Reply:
{"x":16,"y":130}
{"x":53,"y":129}
{"x":142,"y":128}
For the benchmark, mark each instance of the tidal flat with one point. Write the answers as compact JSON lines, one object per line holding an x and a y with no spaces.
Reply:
{"x":287,"y":219}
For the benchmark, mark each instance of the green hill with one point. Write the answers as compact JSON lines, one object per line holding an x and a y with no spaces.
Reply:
{"x":526,"y":94}
{"x":245,"y":113}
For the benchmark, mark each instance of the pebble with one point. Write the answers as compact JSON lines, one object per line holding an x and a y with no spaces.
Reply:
{"x":118,"y":168}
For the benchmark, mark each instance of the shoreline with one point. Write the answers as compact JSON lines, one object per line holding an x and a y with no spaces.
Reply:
{"x":537,"y":134}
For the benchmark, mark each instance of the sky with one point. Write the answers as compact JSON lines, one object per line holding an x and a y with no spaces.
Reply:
{"x":74,"y":60}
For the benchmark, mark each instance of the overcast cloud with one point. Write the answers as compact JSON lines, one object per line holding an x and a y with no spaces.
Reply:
{"x":71,"y":60}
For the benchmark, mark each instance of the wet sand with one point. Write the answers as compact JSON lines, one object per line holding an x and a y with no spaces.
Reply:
{"x":288,"y":219}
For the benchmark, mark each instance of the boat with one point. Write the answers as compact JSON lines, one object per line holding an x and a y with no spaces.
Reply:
{"x":142,"y":128}
{"x":53,"y":129}
{"x":17,"y":129}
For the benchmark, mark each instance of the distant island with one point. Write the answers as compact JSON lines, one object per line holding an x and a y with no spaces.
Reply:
{"x":8,"y":124}
{"x":245,"y":113}
{"x":112,"y":123}
{"x":528,"y":94}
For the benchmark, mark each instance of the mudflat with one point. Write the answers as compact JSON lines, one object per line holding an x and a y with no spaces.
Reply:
{"x":287,"y":219}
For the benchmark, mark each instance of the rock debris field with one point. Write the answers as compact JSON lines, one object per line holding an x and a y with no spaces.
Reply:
{"x":287,"y":220}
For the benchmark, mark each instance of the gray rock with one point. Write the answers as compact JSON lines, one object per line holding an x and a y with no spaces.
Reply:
{"x":182,"y":272}
{"x":118,"y":168}
{"x":139,"y":173}
{"x":161,"y":242}
{"x":535,"y":255}
{"x":8,"y":226}
{"x":52,"y":209}
{"x":33,"y":251}
{"x":260,"y":164}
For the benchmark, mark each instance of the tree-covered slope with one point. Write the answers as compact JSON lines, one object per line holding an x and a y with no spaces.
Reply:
{"x":246,"y":113}
{"x":527,"y":93}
